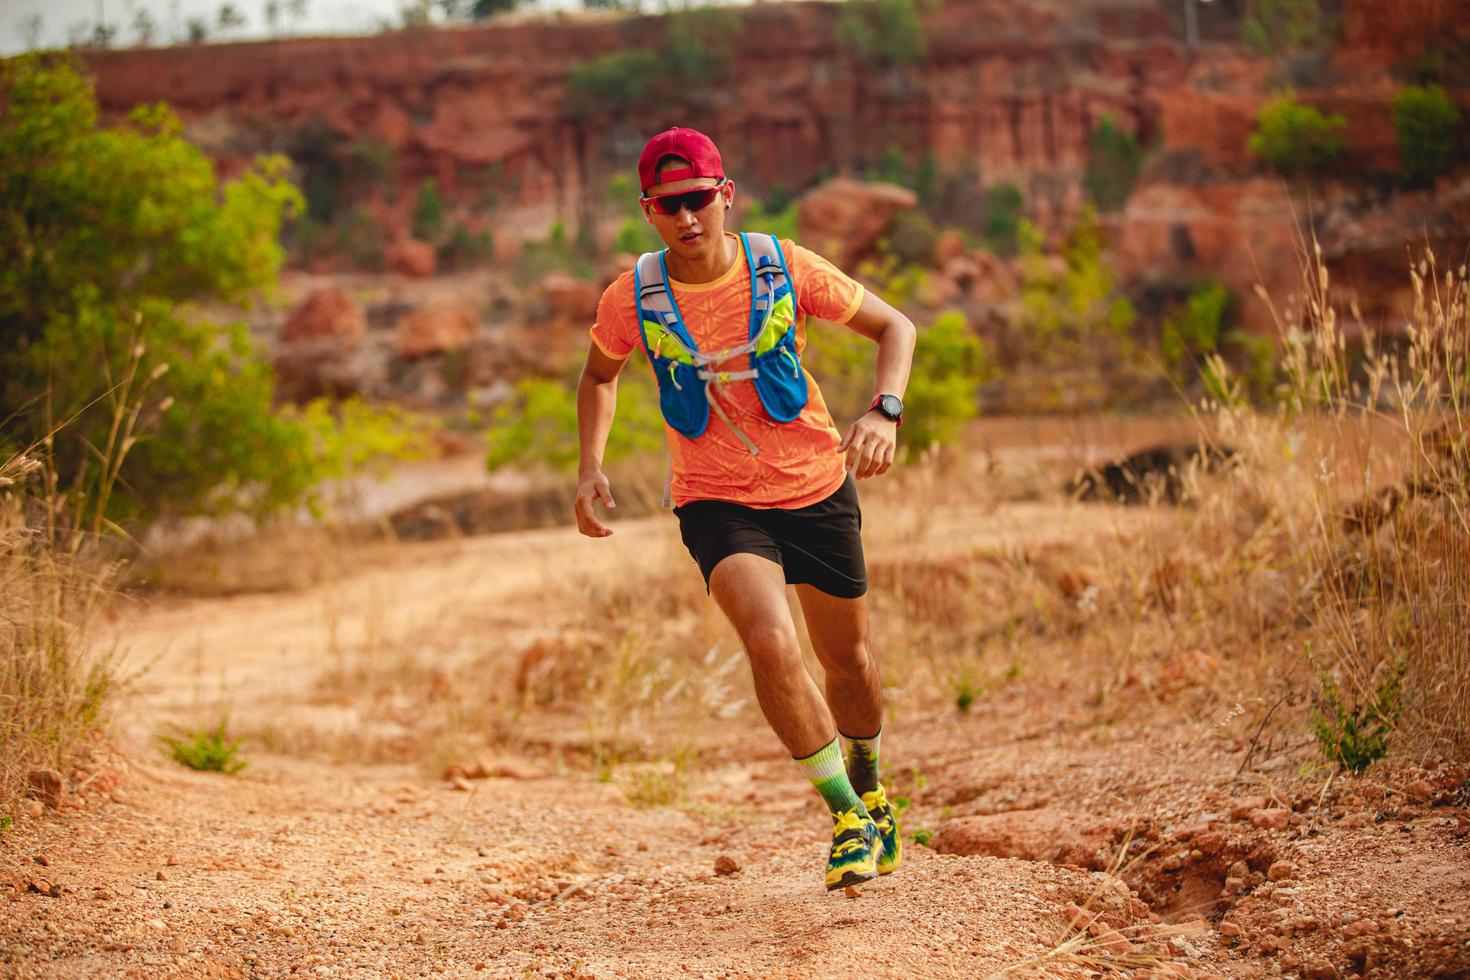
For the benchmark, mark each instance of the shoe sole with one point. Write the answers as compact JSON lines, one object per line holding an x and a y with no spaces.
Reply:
{"x":852,"y":878}
{"x":858,"y":877}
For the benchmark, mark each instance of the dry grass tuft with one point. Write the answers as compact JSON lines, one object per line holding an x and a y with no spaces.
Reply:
{"x":54,"y":588}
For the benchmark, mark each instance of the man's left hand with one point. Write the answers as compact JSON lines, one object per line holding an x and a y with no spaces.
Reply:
{"x":870,"y":445}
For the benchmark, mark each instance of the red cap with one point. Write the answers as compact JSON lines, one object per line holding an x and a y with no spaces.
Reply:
{"x":688,"y":144}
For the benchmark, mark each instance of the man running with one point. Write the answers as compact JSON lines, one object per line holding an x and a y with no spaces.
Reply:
{"x":762,"y":480}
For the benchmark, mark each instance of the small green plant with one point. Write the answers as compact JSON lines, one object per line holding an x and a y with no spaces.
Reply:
{"x":765,"y":217}
{"x":428,"y":212}
{"x":1282,"y":25}
{"x":1427,"y":124}
{"x":1356,"y":737}
{"x":964,"y":696}
{"x":464,"y":247}
{"x":922,"y":837}
{"x":1113,"y":161}
{"x":1003,"y":213}
{"x":1296,"y":139}
{"x":206,"y":750}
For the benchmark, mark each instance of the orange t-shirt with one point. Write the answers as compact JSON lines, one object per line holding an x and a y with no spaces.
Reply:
{"x":798,"y":462}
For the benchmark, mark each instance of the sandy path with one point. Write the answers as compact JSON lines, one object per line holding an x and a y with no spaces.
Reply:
{"x":378,"y":870}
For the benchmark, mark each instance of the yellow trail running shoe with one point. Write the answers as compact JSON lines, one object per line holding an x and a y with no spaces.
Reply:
{"x":888,"y":835}
{"x":856,"y":846}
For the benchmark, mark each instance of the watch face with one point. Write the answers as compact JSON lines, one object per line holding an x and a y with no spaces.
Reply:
{"x":890,"y":406}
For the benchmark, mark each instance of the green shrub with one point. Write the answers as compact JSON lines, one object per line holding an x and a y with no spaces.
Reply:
{"x":1003,"y":211}
{"x":700,"y":45}
{"x":373,"y":160}
{"x":1113,"y":161}
{"x":950,"y":364}
{"x":883,"y":33}
{"x":781,"y":223}
{"x":428,"y":212}
{"x":635,"y":237}
{"x":555,"y":254}
{"x":943,"y":394}
{"x":612,"y":84}
{"x":112,"y":241}
{"x":538,"y":425}
{"x":1194,"y":329}
{"x":911,"y":238}
{"x":1296,"y":139}
{"x":463,"y":247}
{"x":1427,"y":124}
{"x":1354,"y":738}
{"x":361,"y":240}
{"x":1282,"y":25}
{"x":206,"y":750}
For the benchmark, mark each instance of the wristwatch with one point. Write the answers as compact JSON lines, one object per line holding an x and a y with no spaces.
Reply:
{"x":888,"y":406}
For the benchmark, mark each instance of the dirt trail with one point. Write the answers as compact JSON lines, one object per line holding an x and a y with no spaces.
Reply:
{"x":379,"y":870}
{"x":304,"y":867}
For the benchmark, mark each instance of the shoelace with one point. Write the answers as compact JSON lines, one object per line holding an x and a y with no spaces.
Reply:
{"x":843,"y":823}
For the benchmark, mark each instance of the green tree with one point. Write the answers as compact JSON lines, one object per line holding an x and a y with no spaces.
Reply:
{"x":483,"y":9}
{"x":1003,"y":212}
{"x":1113,"y":161}
{"x":428,"y":212}
{"x":1075,"y":326}
{"x":538,"y":426}
{"x":612,"y":84}
{"x":883,"y":33}
{"x":950,"y":364}
{"x":111,"y":241}
{"x":1280,"y":26}
{"x":1427,"y":124}
{"x":700,"y":45}
{"x":1296,"y":139}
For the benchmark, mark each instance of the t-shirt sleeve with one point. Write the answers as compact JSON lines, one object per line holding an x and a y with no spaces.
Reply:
{"x":616,"y":330}
{"x":822,"y":289}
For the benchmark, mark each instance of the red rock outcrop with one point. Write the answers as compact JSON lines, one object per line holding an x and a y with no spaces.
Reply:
{"x":410,"y":257}
{"x":1007,"y":90}
{"x":434,"y":329}
{"x":326,"y":313}
{"x":843,"y":218}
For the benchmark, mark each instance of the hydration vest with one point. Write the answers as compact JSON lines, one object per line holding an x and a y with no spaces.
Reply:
{"x":684,"y":372}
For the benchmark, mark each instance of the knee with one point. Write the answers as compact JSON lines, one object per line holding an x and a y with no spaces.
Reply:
{"x":850,"y":660}
{"x":771,"y":646}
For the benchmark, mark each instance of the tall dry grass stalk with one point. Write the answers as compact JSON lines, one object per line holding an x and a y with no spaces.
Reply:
{"x":1359,"y":481}
{"x":53,"y":589}
{"x":56,"y":581}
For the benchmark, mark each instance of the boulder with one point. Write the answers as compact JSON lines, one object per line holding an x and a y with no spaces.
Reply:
{"x":322,"y":368}
{"x":434,"y":329}
{"x":568,"y":298}
{"x":411,"y":257}
{"x":844,"y":218}
{"x":327,"y":313}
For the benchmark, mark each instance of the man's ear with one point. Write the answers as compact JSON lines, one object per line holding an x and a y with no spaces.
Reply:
{"x":647,"y":215}
{"x":729,"y":192}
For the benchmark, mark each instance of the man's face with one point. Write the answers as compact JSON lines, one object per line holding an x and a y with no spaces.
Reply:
{"x":697,"y":228}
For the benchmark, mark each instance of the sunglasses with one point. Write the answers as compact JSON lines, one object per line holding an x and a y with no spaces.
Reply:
{"x":694,"y":200}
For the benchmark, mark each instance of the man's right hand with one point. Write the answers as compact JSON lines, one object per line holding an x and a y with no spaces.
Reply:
{"x":591,"y":489}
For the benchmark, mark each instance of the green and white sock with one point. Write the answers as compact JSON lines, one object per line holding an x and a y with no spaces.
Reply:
{"x":862,"y":762}
{"x":824,"y":768}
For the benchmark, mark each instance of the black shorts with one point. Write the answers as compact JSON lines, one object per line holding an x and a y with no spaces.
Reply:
{"x":818,"y":545}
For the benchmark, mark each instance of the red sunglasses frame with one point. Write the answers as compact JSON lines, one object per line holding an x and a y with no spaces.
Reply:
{"x":679,"y":199}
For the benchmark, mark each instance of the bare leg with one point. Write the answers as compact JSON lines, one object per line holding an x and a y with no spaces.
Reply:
{"x":752,"y":592}
{"x":839,"y":633}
